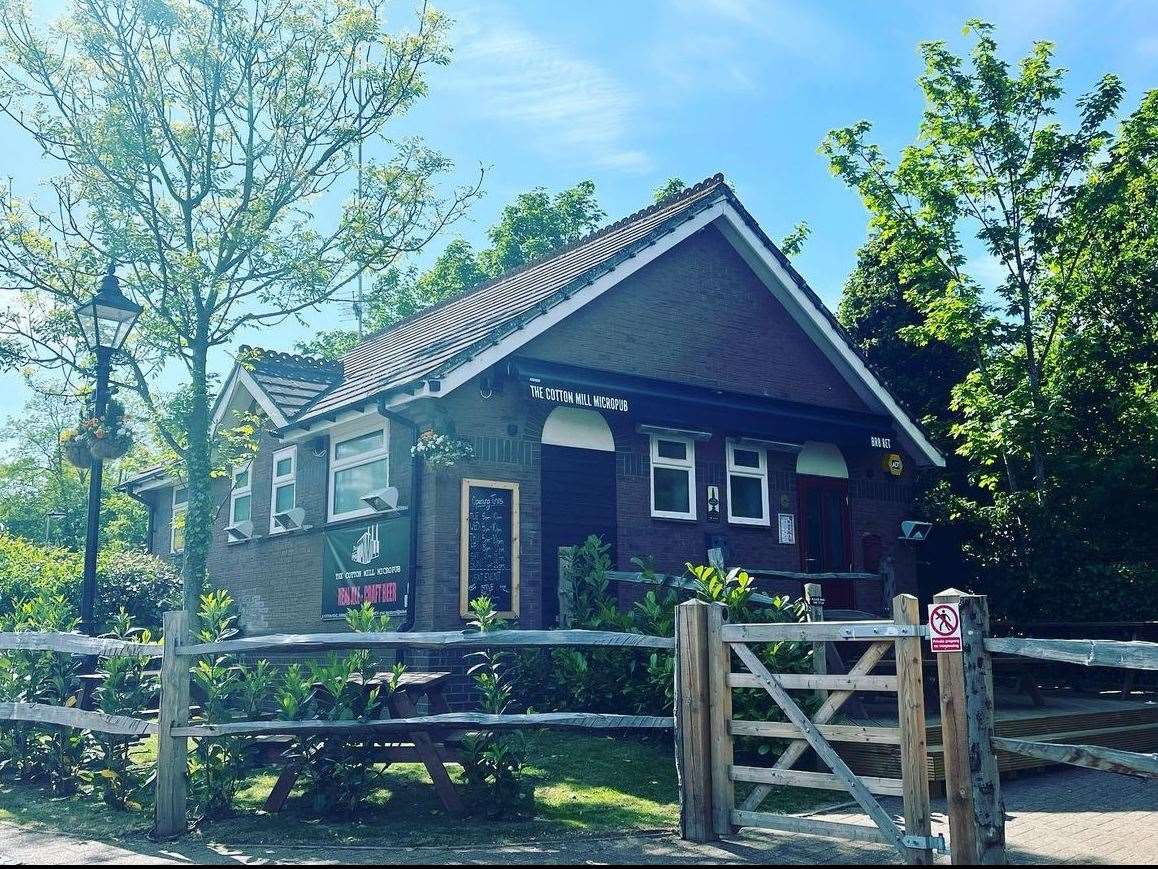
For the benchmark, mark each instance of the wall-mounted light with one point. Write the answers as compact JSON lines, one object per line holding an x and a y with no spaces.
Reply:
{"x":382,"y":500}
{"x":290,"y":520}
{"x":915,"y":531}
{"x":240,"y":531}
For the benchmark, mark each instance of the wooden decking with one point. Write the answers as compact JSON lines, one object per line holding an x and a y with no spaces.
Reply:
{"x":1131,"y":725}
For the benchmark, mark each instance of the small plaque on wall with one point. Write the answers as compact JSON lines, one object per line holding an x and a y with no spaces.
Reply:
{"x":787,"y":528}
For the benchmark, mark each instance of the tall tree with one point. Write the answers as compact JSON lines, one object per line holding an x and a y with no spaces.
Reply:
{"x":196,"y":139}
{"x":989,"y":159}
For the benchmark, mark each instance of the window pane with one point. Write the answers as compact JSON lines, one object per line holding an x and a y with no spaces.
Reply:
{"x":671,"y":449}
{"x":181,"y":495}
{"x":241,"y":509}
{"x":284,"y":467}
{"x":745,"y":458}
{"x":352,"y":483}
{"x":283,"y":498}
{"x":241,"y":478}
{"x":747,"y":497}
{"x":179,"y":536}
{"x":366,"y":443}
{"x":671,"y":490}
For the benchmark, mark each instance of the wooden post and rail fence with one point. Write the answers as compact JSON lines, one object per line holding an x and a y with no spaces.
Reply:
{"x":706,"y":648}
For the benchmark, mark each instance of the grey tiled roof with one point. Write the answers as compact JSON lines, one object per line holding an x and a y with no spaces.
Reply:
{"x":439,"y":338}
{"x":292,"y":382}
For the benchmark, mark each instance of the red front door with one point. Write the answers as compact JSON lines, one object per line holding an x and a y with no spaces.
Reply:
{"x":825,"y":536}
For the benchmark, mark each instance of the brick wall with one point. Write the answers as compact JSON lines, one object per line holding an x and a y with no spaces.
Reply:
{"x":697,"y":315}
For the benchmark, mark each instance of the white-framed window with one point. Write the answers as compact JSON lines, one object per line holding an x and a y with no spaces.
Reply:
{"x":283,"y":491}
{"x":747,"y":484}
{"x":673,"y":477}
{"x":359,"y":465}
{"x":241,"y":495}
{"x":177,"y":520}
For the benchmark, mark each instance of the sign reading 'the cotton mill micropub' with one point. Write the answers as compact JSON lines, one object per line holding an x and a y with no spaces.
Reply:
{"x":578,"y":398}
{"x":368,"y":562}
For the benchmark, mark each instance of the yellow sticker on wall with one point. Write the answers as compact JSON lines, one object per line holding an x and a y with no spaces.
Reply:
{"x":894,"y":464}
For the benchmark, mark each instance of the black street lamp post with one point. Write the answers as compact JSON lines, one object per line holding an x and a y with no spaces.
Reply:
{"x":105,"y":322}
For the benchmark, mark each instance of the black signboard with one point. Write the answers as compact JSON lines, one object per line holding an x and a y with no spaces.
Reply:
{"x":367,"y":562}
{"x":489,"y":545}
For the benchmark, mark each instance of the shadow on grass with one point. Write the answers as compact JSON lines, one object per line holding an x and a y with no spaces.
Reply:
{"x":584,"y":785}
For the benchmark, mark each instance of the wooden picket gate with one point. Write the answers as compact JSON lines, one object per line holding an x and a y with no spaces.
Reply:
{"x":705,"y":728}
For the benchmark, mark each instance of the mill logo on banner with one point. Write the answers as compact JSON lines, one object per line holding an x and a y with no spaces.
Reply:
{"x":367,"y":547}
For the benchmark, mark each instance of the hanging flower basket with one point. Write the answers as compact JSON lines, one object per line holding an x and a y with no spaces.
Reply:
{"x":98,"y":438}
{"x":74,"y":449}
{"x":111,"y":446}
{"x":440,"y":451}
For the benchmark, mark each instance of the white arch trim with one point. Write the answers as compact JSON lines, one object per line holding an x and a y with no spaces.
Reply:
{"x":818,"y":459}
{"x":577,"y":427}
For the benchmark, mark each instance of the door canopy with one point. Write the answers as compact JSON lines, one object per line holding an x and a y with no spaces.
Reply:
{"x":818,"y":459}
{"x":576,"y":427}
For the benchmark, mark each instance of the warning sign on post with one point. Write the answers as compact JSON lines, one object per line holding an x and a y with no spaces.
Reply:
{"x":944,"y":627}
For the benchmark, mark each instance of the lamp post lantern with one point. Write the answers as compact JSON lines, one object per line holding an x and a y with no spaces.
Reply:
{"x":105,"y":322}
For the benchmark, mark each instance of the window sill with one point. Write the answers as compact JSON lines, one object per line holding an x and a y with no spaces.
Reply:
{"x":687,"y":520}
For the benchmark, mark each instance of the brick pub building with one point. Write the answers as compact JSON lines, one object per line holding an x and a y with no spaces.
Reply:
{"x":669,"y":383}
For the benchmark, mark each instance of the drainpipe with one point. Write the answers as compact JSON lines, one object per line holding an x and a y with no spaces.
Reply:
{"x":415,"y":509}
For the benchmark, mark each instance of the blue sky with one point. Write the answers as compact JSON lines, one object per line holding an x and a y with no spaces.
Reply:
{"x":629,"y":94}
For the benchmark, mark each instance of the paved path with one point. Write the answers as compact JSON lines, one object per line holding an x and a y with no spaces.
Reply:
{"x":1072,"y":815}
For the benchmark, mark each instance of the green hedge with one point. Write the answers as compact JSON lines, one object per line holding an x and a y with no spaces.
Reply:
{"x":130,"y":578}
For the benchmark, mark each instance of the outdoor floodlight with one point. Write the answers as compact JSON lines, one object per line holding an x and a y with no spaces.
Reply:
{"x":915,"y":531}
{"x":382,"y":499}
{"x":240,"y":531}
{"x":290,"y":520}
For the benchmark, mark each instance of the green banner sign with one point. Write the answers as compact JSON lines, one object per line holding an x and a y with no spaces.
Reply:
{"x":367,"y":562}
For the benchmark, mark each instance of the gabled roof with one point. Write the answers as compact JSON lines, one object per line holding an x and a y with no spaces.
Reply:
{"x":439,"y":348}
{"x":291,"y":382}
{"x":436,"y":338}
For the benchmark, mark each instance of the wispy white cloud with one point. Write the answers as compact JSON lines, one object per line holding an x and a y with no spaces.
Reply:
{"x":733,"y":44}
{"x":561,"y":102}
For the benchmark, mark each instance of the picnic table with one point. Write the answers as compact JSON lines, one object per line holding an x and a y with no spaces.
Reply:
{"x":422,"y":747}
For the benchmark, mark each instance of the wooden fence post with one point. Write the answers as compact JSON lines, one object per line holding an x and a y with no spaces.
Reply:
{"x":814,"y":599}
{"x":172,"y":752}
{"x":692,"y":723}
{"x":911,"y":717}
{"x":720,"y":713}
{"x":972,"y":785}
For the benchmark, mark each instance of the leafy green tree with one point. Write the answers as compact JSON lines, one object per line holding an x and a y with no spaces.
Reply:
{"x":1044,"y":379}
{"x":195,"y":138}
{"x":43,"y":498}
{"x":989,"y":159}
{"x":877,"y":310}
{"x":671,"y":187}
{"x":537,"y":223}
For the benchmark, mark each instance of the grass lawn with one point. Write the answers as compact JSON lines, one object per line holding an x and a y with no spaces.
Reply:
{"x":583,"y":784}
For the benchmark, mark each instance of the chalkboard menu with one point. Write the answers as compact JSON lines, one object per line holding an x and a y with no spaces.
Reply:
{"x":489,"y":545}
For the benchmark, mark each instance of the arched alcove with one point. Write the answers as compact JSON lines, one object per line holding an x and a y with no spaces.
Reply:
{"x":817,"y":459}
{"x":578,"y":428}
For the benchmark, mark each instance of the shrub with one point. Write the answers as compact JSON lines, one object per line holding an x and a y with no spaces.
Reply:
{"x":128,"y":579}
{"x":126,"y":689}
{"x":493,"y":762}
{"x":642,"y":683}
